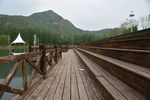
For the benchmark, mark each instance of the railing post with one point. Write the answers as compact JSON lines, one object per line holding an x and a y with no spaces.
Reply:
{"x":55,"y":53}
{"x":66,"y":48}
{"x":50,"y":57}
{"x":43,"y":59}
{"x":30,"y":48}
{"x":24,"y":75}
{"x":60,"y":51}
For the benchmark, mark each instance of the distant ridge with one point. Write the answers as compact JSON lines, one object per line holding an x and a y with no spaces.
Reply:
{"x":48,"y":20}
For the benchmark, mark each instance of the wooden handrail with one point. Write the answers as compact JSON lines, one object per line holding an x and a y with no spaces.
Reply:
{"x":11,"y":90}
{"x":8,"y":59}
{"x":45,"y":56}
{"x":12,"y":73}
{"x":24,"y":75}
{"x":33,"y":71}
{"x":34,"y":66}
{"x":10,"y":76}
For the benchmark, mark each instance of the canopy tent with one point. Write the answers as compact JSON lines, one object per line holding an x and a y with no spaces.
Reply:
{"x":18,"y":40}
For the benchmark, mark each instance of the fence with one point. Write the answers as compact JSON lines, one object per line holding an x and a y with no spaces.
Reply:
{"x":41,"y":59}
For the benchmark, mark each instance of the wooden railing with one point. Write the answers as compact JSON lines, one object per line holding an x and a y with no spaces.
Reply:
{"x":44,"y":58}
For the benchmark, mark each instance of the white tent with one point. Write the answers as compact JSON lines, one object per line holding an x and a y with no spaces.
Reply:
{"x":18,"y":40}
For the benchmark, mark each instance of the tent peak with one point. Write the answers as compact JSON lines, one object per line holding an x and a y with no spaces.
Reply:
{"x":18,"y":39}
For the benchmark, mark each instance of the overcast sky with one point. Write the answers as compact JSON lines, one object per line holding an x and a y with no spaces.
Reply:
{"x":84,"y":14}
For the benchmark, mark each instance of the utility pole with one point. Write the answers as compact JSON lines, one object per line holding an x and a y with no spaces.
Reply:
{"x":9,"y":43}
{"x":131,"y":15}
{"x":35,"y":40}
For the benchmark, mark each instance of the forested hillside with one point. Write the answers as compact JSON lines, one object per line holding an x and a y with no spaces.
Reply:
{"x":49,"y":27}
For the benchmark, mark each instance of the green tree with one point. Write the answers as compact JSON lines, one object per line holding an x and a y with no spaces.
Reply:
{"x":3,"y":40}
{"x":129,"y":26}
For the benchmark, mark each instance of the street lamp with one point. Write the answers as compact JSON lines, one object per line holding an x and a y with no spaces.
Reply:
{"x":131,"y":15}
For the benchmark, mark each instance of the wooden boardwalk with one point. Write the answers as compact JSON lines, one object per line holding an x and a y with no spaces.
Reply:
{"x":117,"y":68}
{"x":68,"y":80}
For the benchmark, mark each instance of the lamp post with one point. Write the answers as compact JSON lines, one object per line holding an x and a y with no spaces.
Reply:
{"x":131,"y":15}
{"x":9,"y":43}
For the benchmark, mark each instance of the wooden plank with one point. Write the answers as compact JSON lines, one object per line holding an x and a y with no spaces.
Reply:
{"x":81,"y":88}
{"x":121,"y":64}
{"x":138,"y":57}
{"x":46,"y":88}
{"x":94,"y":85}
{"x":60,"y":88}
{"x":67,"y":88}
{"x":90,"y":74}
{"x":90,"y":91}
{"x":37,"y":91}
{"x":88,"y":63}
{"x":14,"y":97}
{"x":53,"y":71}
{"x":127,"y":72}
{"x":125,"y":90}
{"x":120,"y":86}
{"x":52,"y":90}
{"x":10,"y":89}
{"x":35,"y":79}
{"x":74,"y":86}
{"x":115,"y":94}
{"x":31,"y":89}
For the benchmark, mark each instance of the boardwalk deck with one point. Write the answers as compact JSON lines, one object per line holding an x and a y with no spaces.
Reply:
{"x":68,"y":80}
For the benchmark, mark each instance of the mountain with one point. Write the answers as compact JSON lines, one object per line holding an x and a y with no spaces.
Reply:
{"x":47,"y":23}
{"x":101,"y":31}
{"x":48,"y":20}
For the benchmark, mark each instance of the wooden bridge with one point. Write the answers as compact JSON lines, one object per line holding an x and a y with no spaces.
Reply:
{"x":117,"y":68}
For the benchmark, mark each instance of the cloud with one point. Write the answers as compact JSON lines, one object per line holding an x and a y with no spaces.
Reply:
{"x":85,"y":14}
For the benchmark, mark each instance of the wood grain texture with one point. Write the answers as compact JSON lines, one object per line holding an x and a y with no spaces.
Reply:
{"x":65,"y":82}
